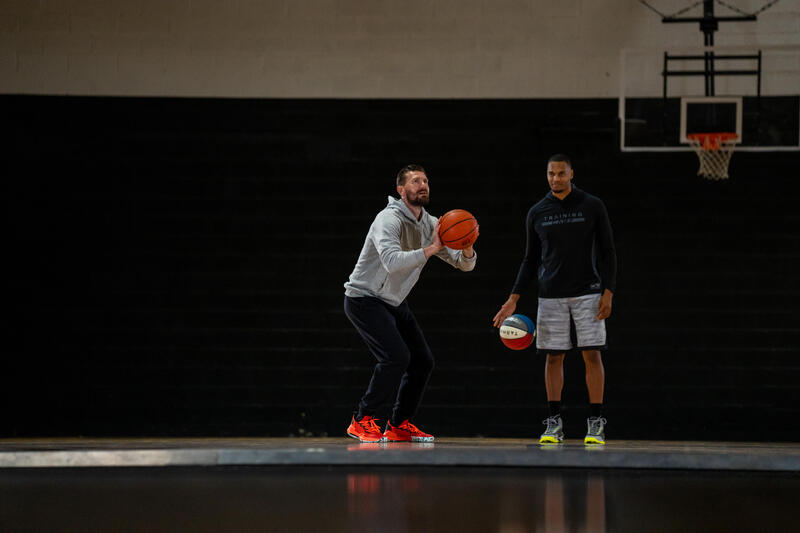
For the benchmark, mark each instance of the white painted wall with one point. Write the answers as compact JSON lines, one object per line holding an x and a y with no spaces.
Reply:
{"x":347,"y":48}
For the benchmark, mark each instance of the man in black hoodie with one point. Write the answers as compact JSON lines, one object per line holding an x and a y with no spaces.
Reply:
{"x":570,"y":244}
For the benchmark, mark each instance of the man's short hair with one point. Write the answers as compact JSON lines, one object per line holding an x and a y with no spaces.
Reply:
{"x":401,"y":176}
{"x":560,"y":158}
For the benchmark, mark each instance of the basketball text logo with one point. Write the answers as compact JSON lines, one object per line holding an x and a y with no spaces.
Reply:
{"x":563,"y":218}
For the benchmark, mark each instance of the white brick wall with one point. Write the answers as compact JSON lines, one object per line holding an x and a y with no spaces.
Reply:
{"x":347,"y":48}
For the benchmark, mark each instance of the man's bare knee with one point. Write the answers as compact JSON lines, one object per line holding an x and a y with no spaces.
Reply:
{"x":592,"y":357}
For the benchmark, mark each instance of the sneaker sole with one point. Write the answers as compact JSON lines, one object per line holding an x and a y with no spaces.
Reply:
{"x":549,"y":440}
{"x":421,"y":439}
{"x":593,"y":440}
{"x":382,"y":439}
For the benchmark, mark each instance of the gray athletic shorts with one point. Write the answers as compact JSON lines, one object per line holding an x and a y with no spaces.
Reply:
{"x":552,"y":324}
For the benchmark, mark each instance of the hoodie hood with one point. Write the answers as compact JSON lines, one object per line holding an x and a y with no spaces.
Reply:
{"x":575,"y":196}
{"x":400,"y":205}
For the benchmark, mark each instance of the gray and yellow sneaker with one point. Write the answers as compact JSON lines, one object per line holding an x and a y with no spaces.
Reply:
{"x":596,"y":430}
{"x":554,"y":434}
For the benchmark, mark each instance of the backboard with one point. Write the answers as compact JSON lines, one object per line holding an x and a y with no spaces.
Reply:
{"x":751,"y":91}
{"x":706,"y":114}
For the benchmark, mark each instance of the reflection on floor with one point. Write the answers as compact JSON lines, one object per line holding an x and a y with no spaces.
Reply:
{"x":394,"y":499}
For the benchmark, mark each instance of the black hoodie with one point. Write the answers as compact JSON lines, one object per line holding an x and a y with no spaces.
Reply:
{"x":572,"y":244}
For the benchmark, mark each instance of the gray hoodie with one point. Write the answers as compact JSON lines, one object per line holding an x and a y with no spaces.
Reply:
{"x":392,"y":257}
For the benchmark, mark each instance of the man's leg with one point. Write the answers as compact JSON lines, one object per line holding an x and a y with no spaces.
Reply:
{"x":420,"y":366}
{"x":377,"y":326}
{"x":553,"y":339}
{"x":591,"y":340}
{"x":595,"y":376}
{"x":554,"y":376}
{"x":553,"y":383}
{"x":595,"y":383}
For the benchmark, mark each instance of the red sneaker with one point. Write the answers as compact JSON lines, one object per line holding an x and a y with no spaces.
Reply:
{"x":365,"y":430}
{"x":405,"y":432}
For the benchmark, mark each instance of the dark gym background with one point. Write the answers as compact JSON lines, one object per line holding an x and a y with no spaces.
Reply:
{"x":174,"y":267}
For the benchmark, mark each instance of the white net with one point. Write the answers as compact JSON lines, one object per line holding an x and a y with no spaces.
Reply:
{"x":714,"y":152}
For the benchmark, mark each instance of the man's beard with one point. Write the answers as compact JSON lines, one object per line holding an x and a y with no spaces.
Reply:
{"x":419,"y":201}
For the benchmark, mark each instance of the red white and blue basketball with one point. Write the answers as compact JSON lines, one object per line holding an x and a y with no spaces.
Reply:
{"x":517,"y":332}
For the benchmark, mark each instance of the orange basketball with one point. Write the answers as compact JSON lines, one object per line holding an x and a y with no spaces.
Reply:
{"x":458,"y":229}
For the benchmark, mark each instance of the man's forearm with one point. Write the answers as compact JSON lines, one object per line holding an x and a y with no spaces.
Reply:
{"x":432,"y":250}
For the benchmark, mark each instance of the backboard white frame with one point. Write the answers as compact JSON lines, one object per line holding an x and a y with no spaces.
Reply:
{"x":686,"y":100}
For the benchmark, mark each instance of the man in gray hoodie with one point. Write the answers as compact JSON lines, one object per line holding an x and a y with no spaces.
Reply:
{"x":399,"y":242}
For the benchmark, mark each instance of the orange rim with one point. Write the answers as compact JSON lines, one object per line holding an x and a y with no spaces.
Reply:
{"x":712,"y":140}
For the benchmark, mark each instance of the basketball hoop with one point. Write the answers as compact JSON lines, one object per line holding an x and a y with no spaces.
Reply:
{"x":715,"y":151}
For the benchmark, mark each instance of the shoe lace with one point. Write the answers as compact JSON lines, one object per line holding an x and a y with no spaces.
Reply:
{"x":408,"y":426}
{"x":369,"y":424}
{"x":551,"y":422}
{"x":596,"y":424}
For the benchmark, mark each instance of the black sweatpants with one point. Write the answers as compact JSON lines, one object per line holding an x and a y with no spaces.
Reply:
{"x":404,"y":357}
